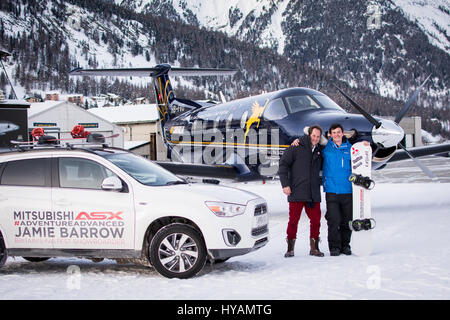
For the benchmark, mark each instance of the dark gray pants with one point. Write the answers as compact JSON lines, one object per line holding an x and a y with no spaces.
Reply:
{"x":339,"y":214}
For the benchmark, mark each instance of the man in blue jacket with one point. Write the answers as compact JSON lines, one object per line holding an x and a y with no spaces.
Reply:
{"x":336,"y":171}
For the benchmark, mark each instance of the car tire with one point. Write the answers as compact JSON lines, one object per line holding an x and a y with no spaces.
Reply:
{"x":3,"y":252}
{"x":35,"y":259}
{"x":177,"y":251}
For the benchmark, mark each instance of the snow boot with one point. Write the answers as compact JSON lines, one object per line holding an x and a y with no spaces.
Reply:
{"x":334,"y":252}
{"x":290,"y":250}
{"x":346,"y":250}
{"x":314,"y":244}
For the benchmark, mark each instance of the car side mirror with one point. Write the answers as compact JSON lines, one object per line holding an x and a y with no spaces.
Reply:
{"x":112,"y":184}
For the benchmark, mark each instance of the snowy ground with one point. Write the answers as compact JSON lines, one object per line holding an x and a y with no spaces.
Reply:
{"x":411,"y":257}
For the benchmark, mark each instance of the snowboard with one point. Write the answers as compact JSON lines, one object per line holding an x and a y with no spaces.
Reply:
{"x":361,"y":178}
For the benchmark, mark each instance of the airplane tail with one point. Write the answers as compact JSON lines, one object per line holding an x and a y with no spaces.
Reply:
{"x":168,"y":106}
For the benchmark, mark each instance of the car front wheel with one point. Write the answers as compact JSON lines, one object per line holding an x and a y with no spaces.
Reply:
{"x":177,"y":251}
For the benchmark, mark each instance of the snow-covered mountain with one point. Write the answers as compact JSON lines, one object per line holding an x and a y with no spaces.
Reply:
{"x":241,"y":18}
{"x":244,"y":18}
{"x":432,"y":17}
{"x":367,"y":43}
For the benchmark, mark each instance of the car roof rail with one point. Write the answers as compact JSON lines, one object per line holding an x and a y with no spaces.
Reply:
{"x":36,"y":146}
{"x":88,"y":145}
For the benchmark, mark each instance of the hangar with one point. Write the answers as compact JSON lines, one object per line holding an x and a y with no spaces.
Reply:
{"x":59,"y":117}
{"x":141,"y":128}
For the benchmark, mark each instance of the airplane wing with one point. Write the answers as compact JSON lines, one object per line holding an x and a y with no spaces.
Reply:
{"x":151,"y":72}
{"x":224,"y":171}
{"x":420,"y":151}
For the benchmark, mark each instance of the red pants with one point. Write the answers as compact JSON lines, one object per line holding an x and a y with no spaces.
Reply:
{"x":295,"y":210}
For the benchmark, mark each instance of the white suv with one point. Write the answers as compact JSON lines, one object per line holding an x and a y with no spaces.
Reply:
{"x":110,"y":203}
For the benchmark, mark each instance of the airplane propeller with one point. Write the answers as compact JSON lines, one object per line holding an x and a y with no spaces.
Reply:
{"x":410,"y":102}
{"x":366,"y":115}
{"x":389,"y":127}
{"x":424,"y":168}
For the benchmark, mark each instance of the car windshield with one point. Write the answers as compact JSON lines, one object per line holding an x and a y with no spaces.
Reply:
{"x":143,"y":170}
{"x":326,"y":102}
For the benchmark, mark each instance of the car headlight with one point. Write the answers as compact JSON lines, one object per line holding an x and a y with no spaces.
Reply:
{"x":225,"y":209}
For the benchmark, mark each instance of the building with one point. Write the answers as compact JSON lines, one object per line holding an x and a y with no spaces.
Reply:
{"x":75,"y":98}
{"x":413,"y":131}
{"x":33,"y":99}
{"x":107,"y":100}
{"x":140,"y":124}
{"x":142,"y":148}
{"x":59,"y":117}
{"x":142,"y":100}
{"x":412,"y":126}
{"x":52,"y":95}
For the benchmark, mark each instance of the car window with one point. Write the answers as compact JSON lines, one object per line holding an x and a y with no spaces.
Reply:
{"x":81,"y":173}
{"x":28,"y":172}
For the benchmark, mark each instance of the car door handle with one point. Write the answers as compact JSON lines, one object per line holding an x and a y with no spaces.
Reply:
{"x":3,"y":198}
{"x":63,"y":202}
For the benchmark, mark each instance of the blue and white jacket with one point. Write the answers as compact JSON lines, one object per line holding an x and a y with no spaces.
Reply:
{"x":337,"y":167}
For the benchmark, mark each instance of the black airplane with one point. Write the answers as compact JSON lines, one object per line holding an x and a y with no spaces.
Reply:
{"x":243,"y":139}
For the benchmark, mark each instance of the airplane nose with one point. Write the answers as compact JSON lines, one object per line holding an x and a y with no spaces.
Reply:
{"x":389,"y":134}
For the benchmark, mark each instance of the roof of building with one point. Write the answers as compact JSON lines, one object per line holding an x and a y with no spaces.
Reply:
{"x":38,"y":107}
{"x":128,"y":114}
{"x":14,"y":104}
{"x":129,"y":145}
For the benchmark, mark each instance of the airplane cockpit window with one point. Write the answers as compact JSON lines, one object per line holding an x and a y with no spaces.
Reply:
{"x":301,"y":103}
{"x":275,"y":110}
{"x":326,"y":102}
